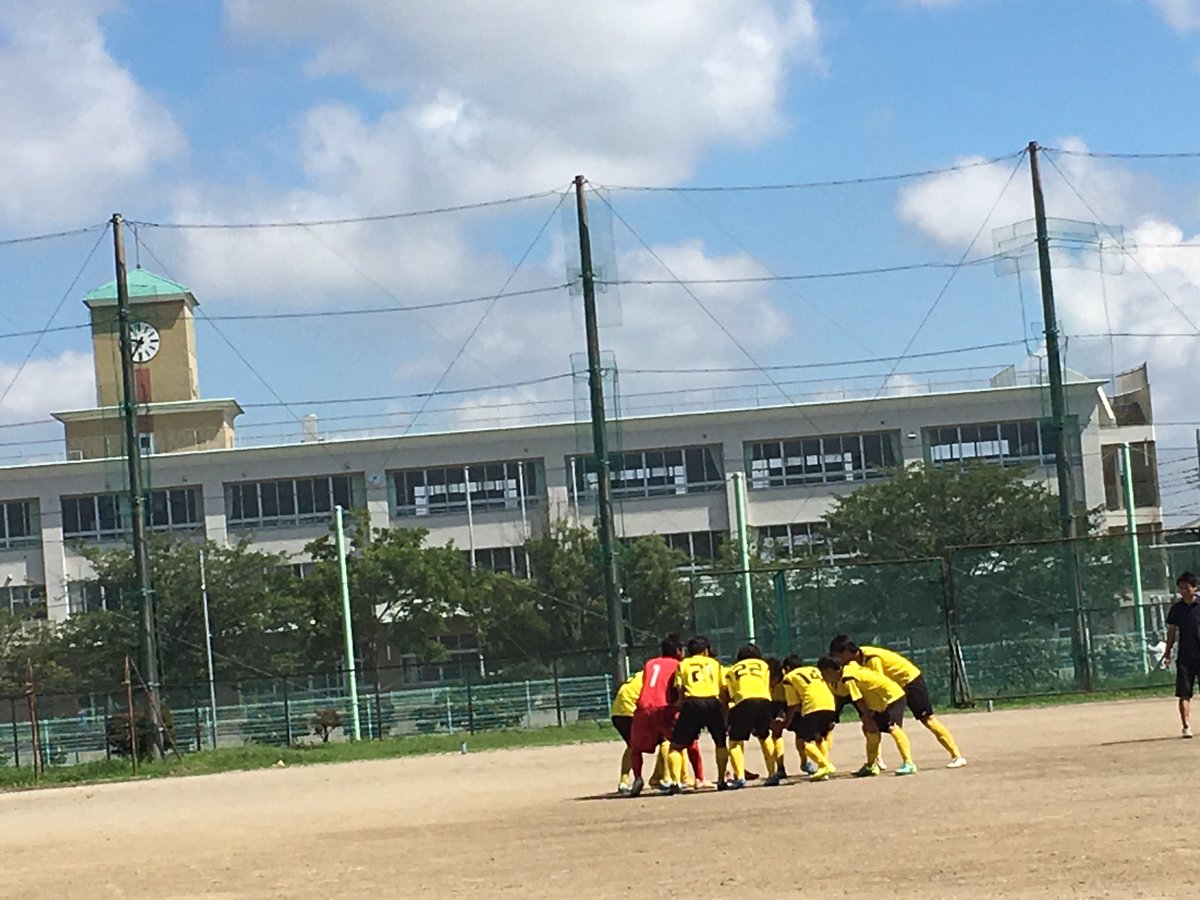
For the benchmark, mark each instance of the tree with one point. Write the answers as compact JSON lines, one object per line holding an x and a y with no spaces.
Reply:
{"x":403,"y":594}
{"x":922,"y":511}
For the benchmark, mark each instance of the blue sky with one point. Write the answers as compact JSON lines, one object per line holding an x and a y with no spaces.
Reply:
{"x":242,"y":111}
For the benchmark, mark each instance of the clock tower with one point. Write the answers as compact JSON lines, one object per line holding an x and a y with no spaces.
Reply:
{"x":171,"y":416}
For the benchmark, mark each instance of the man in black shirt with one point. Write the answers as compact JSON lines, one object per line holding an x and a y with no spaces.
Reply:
{"x":1183,"y":624}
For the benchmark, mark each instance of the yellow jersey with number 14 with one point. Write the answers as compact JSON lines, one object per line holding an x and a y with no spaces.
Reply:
{"x":699,"y":676}
{"x":804,"y":687}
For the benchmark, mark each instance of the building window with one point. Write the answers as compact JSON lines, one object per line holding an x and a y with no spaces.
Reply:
{"x":106,"y":516}
{"x":146,"y":443}
{"x":1006,"y":443}
{"x":1142,"y":458}
{"x":696,"y":545}
{"x":510,"y":560}
{"x":821,"y":460}
{"x":651,"y":473}
{"x":479,"y":486}
{"x":86,"y":597}
{"x":18,"y":524}
{"x":799,"y":539}
{"x":302,"y":570}
{"x":287,"y":501}
{"x":25,"y":601}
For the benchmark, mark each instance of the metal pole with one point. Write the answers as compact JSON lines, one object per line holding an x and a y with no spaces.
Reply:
{"x":783,"y":624}
{"x":1058,"y":412}
{"x":212,"y":684}
{"x":470,"y":516}
{"x":287,"y":715}
{"x":1135,"y":554}
{"x":133,"y":741}
{"x":347,"y":624}
{"x":137,"y":498}
{"x":34,"y":737}
{"x":739,"y":503}
{"x":608,"y":559}
{"x":524,"y":516}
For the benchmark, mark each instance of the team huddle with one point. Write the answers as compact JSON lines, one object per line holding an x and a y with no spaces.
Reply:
{"x":663,"y":708}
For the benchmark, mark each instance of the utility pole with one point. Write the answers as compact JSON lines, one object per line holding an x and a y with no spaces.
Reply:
{"x":608,"y":559}
{"x":1135,"y":553}
{"x":1058,"y":413}
{"x":137,"y":496}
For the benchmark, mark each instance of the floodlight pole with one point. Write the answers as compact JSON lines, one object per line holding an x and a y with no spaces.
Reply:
{"x":339,"y":531}
{"x":1058,"y":413}
{"x":1135,"y":553}
{"x":137,"y":498}
{"x":608,"y":559}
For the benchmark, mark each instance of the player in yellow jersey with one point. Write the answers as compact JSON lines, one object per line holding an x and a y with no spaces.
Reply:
{"x":699,"y":684}
{"x":880,"y":702}
{"x":623,"y":706}
{"x":812,"y":713}
{"x":748,"y":689}
{"x":905,"y":673}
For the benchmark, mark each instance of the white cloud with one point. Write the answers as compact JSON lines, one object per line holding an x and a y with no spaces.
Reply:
{"x":81,"y":129}
{"x":47,"y":384}
{"x":1181,"y":15}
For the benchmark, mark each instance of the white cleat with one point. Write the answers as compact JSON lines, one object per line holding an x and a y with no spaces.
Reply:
{"x":881,"y":765}
{"x":957,"y":763}
{"x":1187,"y":731}
{"x":623,"y":788}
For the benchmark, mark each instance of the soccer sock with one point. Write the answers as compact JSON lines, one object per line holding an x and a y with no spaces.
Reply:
{"x":676,"y":766}
{"x":902,"y":744}
{"x":626,"y":763}
{"x":827,"y":744}
{"x":815,"y":753}
{"x":873,"y":740}
{"x":737,"y":758}
{"x":942,"y":733}
{"x":768,"y":752}
{"x":697,"y":761}
{"x":635,"y":764}
{"x":722,"y":762}
{"x":779,"y":746}
{"x":662,"y":760}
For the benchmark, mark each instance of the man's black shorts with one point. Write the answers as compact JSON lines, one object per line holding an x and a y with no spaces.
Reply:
{"x":779,"y":709}
{"x":751,"y":717}
{"x":842,"y":703}
{"x":1187,"y":671}
{"x":892,"y":717}
{"x":624,"y":725}
{"x":815,"y":725}
{"x":916,"y":692}
{"x":698,"y":714}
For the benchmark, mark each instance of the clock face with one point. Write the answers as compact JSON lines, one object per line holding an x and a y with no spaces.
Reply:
{"x":145,"y":341}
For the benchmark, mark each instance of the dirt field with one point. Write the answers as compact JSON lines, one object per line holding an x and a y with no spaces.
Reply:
{"x":1077,"y":801}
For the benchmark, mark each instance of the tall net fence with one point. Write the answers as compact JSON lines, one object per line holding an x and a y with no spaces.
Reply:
{"x":999,"y":621}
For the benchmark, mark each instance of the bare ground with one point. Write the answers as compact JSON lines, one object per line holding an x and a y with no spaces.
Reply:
{"x":1076,"y":801}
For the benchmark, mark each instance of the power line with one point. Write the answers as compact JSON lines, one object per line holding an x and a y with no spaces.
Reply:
{"x":414,"y":396}
{"x":350,"y":220}
{"x":376,"y":310}
{"x":1186,"y":154}
{"x":63,"y":299}
{"x":29,"y":239}
{"x":805,"y":185}
{"x":811,"y":276}
{"x":41,"y":332}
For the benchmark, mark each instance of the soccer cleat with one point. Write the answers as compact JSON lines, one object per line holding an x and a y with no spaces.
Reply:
{"x":907,"y":768}
{"x":675,"y":789}
{"x":722,"y":785}
{"x":882,"y":765}
{"x":957,"y":763}
{"x":867,"y":771}
{"x":636,"y":787}
{"x":623,"y":788}
{"x":822,"y":773}
{"x":666,"y":787}
{"x":1187,"y":731}
{"x":809,"y":767}
{"x":736,"y":784}
{"x":773,"y":780}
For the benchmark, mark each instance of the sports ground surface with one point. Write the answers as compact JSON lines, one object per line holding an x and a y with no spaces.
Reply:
{"x":1094,"y":800}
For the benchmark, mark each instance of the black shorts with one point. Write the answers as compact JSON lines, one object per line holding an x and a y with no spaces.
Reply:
{"x":751,"y":717}
{"x":1187,"y":671}
{"x":916,"y":692}
{"x":779,"y":709}
{"x":624,"y":725}
{"x":815,"y":726}
{"x":698,"y":714}
{"x":892,"y":717}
